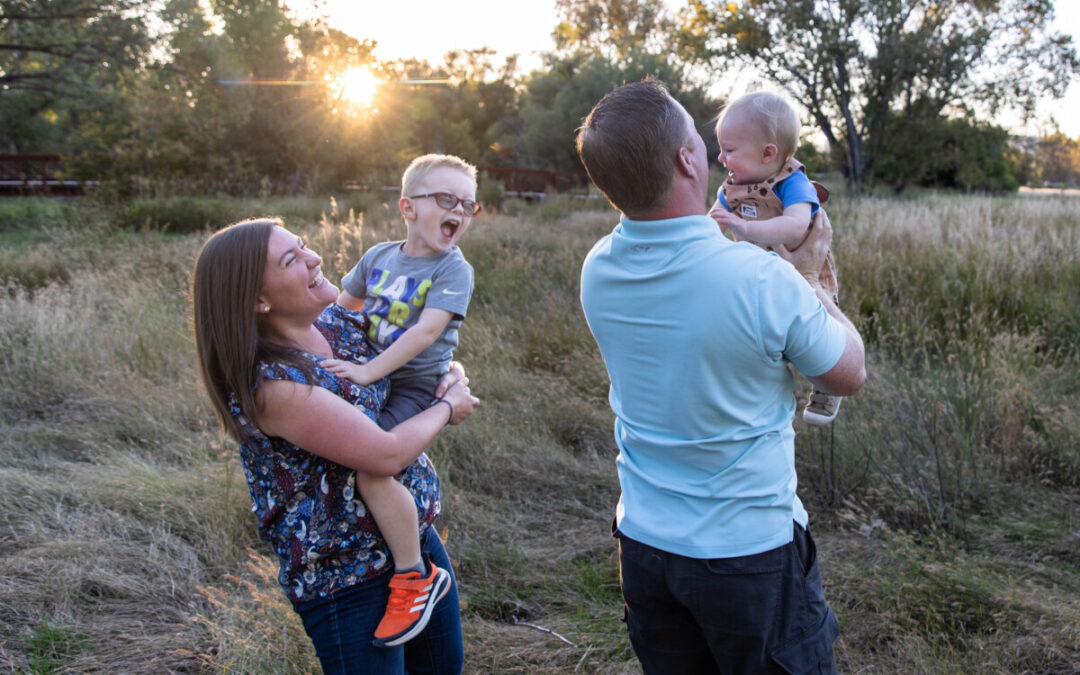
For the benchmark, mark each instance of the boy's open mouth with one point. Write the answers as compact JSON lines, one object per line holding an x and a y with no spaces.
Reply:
{"x":448,"y":228}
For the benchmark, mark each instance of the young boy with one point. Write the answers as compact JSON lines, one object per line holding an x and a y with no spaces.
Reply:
{"x":414,"y":294}
{"x":767,"y":198}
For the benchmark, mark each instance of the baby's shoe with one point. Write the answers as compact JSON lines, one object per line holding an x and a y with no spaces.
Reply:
{"x":821,"y":408}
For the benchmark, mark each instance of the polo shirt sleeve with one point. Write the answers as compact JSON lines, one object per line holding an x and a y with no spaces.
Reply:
{"x":795,"y":325}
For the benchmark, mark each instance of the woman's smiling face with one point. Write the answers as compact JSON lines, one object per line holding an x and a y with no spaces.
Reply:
{"x":292,"y":281}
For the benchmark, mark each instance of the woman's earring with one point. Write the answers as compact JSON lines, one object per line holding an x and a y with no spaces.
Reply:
{"x":266,"y":308}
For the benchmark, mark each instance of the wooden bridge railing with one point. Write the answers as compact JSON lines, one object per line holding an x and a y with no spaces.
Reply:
{"x":37,"y":175}
{"x":524,"y":182}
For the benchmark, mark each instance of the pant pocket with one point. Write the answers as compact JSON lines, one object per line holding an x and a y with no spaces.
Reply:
{"x":812,"y":654}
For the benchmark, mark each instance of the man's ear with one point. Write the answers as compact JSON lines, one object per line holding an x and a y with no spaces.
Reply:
{"x":770,"y":153}
{"x":406,"y":207}
{"x":684,"y":161}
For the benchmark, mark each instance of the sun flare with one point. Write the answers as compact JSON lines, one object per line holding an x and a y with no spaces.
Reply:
{"x":358,"y":86}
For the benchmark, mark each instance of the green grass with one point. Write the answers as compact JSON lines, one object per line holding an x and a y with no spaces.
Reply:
{"x":50,"y":646}
{"x":945,"y":499}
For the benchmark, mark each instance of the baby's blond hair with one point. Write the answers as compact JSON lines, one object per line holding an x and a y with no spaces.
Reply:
{"x":420,"y":167}
{"x":775,"y":118}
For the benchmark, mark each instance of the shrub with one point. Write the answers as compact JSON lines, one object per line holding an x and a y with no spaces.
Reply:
{"x":31,"y":213}
{"x":181,"y":214}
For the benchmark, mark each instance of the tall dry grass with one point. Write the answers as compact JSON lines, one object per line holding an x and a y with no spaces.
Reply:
{"x":944,"y":498}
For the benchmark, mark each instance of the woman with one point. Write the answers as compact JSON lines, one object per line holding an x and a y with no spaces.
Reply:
{"x":265,"y":318}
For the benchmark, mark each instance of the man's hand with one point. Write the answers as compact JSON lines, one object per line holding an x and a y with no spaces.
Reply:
{"x":809,"y":257}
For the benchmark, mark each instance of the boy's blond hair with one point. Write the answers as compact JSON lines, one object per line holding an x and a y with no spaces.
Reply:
{"x":775,"y":118}
{"x":420,"y":167}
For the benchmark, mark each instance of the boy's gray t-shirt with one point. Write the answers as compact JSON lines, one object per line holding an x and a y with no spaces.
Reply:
{"x":397,"y":287}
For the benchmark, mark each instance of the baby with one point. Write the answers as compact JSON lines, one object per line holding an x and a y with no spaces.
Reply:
{"x":767,"y":198}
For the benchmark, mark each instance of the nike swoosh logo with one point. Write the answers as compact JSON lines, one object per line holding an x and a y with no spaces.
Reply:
{"x":447,"y":291}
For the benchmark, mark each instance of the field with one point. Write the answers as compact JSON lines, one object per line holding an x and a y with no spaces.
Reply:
{"x":945,"y":499}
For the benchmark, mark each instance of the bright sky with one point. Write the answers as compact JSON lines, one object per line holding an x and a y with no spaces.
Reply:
{"x":427,"y":29}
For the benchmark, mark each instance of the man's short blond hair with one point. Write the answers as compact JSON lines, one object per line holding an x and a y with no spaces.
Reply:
{"x":423,"y":165}
{"x":775,"y":118}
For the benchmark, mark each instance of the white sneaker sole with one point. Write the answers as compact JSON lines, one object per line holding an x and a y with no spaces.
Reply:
{"x":439,"y":588}
{"x":818,"y":420}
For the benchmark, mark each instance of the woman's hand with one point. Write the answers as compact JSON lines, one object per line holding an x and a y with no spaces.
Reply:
{"x":456,"y":374}
{"x":462,"y":400}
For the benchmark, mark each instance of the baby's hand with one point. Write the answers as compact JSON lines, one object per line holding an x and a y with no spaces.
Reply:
{"x":351,"y":371}
{"x":729,"y":221}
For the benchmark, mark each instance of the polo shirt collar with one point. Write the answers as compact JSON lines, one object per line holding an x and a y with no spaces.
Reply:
{"x":662,"y":230}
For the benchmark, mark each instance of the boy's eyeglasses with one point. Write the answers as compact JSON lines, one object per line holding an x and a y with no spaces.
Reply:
{"x":449,"y":201}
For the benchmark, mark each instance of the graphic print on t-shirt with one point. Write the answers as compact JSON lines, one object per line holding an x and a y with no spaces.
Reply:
{"x":394,"y":302}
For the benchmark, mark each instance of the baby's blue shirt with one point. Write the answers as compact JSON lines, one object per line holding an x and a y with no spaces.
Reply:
{"x":794,"y":189}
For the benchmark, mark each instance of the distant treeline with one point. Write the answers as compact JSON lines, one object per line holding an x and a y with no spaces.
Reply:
{"x":243,"y":97}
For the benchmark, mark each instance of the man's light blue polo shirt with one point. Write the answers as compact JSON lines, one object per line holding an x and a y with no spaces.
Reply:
{"x":696,"y":332}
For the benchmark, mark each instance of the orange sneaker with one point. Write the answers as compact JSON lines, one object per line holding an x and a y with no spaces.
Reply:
{"x":412,"y":599}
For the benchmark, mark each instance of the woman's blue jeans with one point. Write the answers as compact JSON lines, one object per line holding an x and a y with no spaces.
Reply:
{"x":341,"y":628}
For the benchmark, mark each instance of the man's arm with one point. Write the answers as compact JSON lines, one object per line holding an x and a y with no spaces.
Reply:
{"x":848,"y":375}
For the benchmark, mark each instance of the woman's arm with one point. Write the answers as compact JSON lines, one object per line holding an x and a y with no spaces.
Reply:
{"x":324,"y":424}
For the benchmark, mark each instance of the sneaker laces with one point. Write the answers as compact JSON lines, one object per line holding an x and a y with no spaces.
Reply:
{"x":820,"y":400}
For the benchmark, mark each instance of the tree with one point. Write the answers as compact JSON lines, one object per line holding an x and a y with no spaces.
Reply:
{"x":600,"y":44}
{"x":448,"y":108}
{"x":557,"y":98}
{"x":852,"y":64}
{"x":242,"y":100}
{"x":957,"y":153}
{"x":60,"y":58}
{"x":68,"y":46}
{"x":614,"y":29}
{"x":1058,"y":160}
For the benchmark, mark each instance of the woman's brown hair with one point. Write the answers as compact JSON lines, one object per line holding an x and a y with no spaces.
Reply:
{"x":227,"y":280}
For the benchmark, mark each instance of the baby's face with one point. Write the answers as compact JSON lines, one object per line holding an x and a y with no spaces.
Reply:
{"x":743,"y":150}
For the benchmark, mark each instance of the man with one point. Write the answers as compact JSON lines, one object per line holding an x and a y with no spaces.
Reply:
{"x":719,"y":573}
